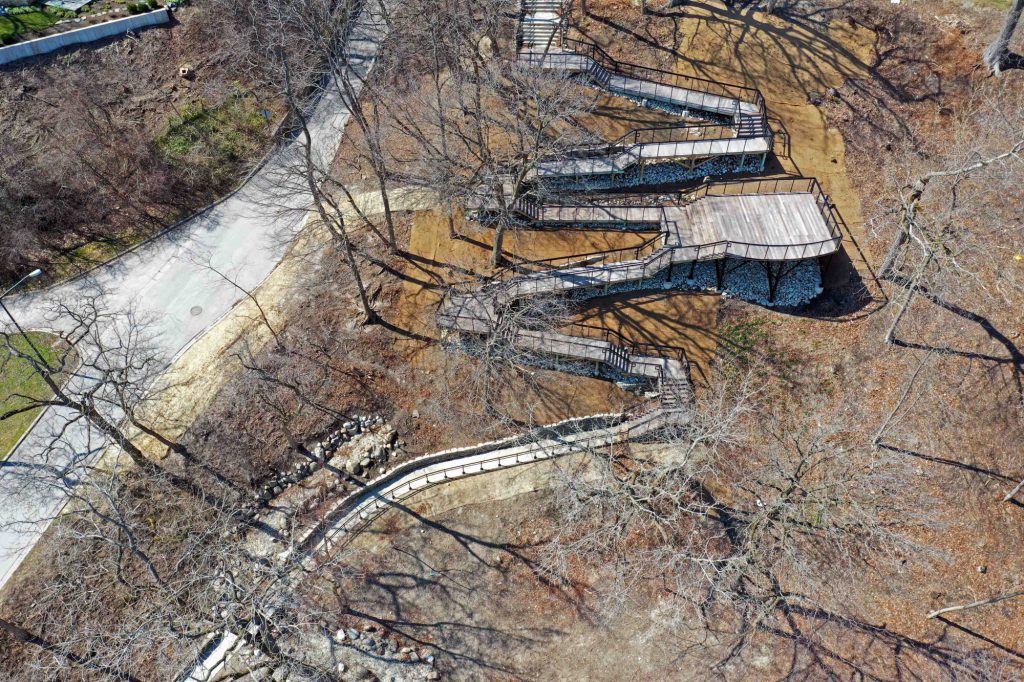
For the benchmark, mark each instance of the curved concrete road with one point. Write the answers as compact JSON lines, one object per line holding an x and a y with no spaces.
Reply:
{"x":168,"y":279}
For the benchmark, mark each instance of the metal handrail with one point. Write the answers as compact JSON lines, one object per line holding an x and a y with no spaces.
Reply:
{"x":370,"y":502}
{"x":633,"y":137}
{"x":638,"y":250}
{"x":635,"y":140}
{"x":775,"y":186}
{"x":645,"y":268}
{"x":616,"y":338}
{"x":696,"y":83}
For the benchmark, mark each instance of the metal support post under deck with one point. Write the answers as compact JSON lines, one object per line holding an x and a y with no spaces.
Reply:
{"x":825,"y":263}
{"x":773,"y":278}
{"x":720,"y":273}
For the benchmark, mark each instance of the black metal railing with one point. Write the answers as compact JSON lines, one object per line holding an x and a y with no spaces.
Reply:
{"x":776,"y":186}
{"x":655,"y":263}
{"x":589,"y":258}
{"x":616,"y":338}
{"x":708,"y":88}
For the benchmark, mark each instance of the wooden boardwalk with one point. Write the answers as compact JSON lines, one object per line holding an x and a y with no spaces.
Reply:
{"x":747,"y":118}
{"x":621,"y":161}
{"x":772,"y":227}
{"x":769,"y":226}
{"x":777,"y":220}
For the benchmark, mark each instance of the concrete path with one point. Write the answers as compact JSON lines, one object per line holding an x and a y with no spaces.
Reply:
{"x":168,"y":279}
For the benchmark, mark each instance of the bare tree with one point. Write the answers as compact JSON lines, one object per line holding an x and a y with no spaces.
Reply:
{"x":753,"y":520}
{"x":950,"y":222}
{"x":101,"y":369}
{"x":997,"y":54}
{"x":481,"y":120}
{"x":499,"y":372}
{"x":302,"y":49}
{"x":135,"y":568}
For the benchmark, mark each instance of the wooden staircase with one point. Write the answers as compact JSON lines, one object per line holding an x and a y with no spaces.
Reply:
{"x":676,"y":392}
{"x":541,"y":24}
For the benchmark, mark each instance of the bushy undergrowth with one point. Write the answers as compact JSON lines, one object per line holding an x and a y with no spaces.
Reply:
{"x":215,"y":139}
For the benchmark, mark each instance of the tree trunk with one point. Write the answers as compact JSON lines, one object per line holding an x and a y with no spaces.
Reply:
{"x":976,"y":604}
{"x":25,"y":637}
{"x":355,"y":106}
{"x":499,"y":241}
{"x":889,"y":264}
{"x":389,"y":221}
{"x":996,"y":54}
{"x":890,"y":334}
{"x":170,"y":444}
{"x":337,"y":224}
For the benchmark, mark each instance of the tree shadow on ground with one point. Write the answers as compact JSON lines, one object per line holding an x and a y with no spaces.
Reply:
{"x":461,"y":629}
{"x":1014,"y":357}
{"x":827,"y":641}
{"x":799,"y":42}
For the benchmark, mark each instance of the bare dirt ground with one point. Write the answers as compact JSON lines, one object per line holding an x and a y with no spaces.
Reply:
{"x":457,"y":573}
{"x":437,"y":259}
{"x":675,"y":319}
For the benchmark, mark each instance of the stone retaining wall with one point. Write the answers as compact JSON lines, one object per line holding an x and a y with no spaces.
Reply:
{"x":80,"y":36}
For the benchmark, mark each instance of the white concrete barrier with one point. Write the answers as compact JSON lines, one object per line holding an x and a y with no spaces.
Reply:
{"x":80,"y":36}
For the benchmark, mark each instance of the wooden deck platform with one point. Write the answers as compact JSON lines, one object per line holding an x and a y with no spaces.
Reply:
{"x":620,"y":161}
{"x":768,"y":226}
{"x":759,"y":226}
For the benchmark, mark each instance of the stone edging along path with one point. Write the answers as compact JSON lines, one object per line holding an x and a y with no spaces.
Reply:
{"x":353,"y":513}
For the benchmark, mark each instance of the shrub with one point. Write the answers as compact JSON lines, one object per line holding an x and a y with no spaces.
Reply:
{"x":153,"y":4}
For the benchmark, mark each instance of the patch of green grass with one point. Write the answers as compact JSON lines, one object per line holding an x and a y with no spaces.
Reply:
{"x":749,"y":343}
{"x":31,"y":19}
{"x":216,"y":137}
{"x":742,"y":338}
{"x":80,"y":258}
{"x":17,"y":378}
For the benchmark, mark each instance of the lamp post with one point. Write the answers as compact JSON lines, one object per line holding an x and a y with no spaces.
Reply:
{"x":32,"y":275}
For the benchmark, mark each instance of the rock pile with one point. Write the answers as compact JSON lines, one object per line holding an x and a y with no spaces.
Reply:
{"x":356,"y":448}
{"x":654,"y":174}
{"x":387,"y":652}
{"x":377,"y":443}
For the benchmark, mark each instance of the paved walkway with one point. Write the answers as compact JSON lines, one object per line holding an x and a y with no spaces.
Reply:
{"x":168,"y":278}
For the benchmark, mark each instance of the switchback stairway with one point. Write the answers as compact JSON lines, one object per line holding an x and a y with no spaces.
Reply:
{"x":739,"y":128}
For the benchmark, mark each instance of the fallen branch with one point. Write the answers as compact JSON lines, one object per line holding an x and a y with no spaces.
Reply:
{"x":972,"y":605}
